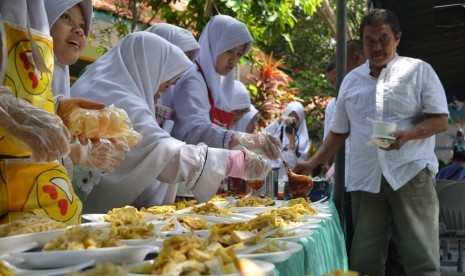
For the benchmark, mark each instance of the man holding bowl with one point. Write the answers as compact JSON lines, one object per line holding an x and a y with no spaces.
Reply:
{"x":395,"y":182}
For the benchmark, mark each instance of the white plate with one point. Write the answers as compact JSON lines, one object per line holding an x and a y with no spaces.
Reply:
{"x":40,"y":238}
{"x":267,"y":267}
{"x":137,"y":242}
{"x":253,"y":210}
{"x":99,"y":217}
{"x":17,"y":248}
{"x":53,"y":271}
{"x":299,"y":233}
{"x":56,"y":259}
{"x":213,"y":219}
{"x":275,"y":257}
{"x":387,"y":137}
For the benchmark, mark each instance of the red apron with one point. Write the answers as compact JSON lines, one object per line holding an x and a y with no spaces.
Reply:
{"x":217,"y":116}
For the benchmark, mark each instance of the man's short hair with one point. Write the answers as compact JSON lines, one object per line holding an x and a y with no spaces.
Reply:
{"x":380,"y":16}
{"x":354,"y":45}
{"x":330,"y":66}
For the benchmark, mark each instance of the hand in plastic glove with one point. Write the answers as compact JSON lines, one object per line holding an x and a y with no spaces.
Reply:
{"x":65,"y":105}
{"x":286,"y":119}
{"x":256,"y":168}
{"x":41,"y":132}
{"x":106,"y":156}
{"x":261,"y":142}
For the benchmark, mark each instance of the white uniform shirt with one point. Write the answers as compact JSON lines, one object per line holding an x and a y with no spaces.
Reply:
{"x":405,"y":90}
{"x":190,"y":97}
{"x":329,"y":111}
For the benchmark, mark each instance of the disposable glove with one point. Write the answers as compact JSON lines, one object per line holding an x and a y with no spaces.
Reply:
{"x":38,"y":131}
{"x":256,"y":167}
{"x":261,"y":142}
{"x":105,"y":155}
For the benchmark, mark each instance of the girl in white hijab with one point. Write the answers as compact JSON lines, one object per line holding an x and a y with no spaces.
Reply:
{"x":184,"y":40}
{"x":166,"y":193}
{"x":69,"y":26}
{"x":128,"y":76}
{"x":248,"y":122}
{"x":202,"y":98}
{"x":295,"y":141}
{"x":240,"y":104}
{"x":76,"y":40}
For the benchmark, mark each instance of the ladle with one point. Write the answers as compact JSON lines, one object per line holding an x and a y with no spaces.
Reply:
{"x":299,"y":185}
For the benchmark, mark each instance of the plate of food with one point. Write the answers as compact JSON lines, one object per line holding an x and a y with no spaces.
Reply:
{"x":276,"y":256}
{"x":40,"y":238}
{"x":293,"y":236}
{"x":145,"y":267}
{"x":253,"y":210}
{"x":46,"y":272}
{"x":64,"y":258}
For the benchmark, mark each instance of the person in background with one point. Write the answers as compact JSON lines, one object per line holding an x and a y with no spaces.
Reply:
{"x":395,"y":184}
{"x":203,"y":96}
{"x":291,"y":130}
{"x":456,"y":169}
{"x":240,"y":104}
{"x":166,"y":193}
{"x":32,"y":137}
{"x":69,"y":27}
{"x":128,"y":76}
{"x":184,"y":40}
{"x":248,"y":122}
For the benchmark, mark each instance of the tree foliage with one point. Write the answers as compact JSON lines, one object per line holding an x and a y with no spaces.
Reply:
{"x":299,"y":33}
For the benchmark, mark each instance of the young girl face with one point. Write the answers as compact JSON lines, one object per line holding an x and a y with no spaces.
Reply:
{"x":68,"y":35}
{"x":225,"y":62}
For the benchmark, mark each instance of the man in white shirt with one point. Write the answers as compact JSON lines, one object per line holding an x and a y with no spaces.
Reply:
{"x":395,"y":183}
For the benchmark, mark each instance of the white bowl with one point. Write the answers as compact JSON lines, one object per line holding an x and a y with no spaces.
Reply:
{"x":381,"y":128}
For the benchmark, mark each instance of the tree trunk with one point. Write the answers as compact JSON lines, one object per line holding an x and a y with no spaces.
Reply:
{"x":328,"y":16}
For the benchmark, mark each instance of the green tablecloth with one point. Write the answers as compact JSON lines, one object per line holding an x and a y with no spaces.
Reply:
{"x":324,"y":251}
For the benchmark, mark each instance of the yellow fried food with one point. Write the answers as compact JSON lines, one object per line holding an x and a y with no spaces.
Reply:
{"x":124,"y":216}
{"x":191,"y":255}
{"x":159,"y":210}
{"x":217,"y":198}
{"x":210,"y":209}
{"x":109,"y":122}
{"x":29,"y":223}
{"x":255,"y":201}
{"x":184,"y":204}
{"x":135,"y":231}
{"x":5,"y":270}
{"x":83,"y":237}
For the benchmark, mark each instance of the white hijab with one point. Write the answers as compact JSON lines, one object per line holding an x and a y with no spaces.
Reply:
{"x":128,"y":76}
{"x":221,"y":34}
{"x":241,"y":96}
{"x":302,"y":133}
{"x":245,"y":120}
{"x":177,"y":36}
{"x":55,"y":8}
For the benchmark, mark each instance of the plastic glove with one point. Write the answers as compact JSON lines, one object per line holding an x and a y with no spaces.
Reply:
{"x":105,"y":155}
{"x":261,"y":142}
{"x":38,"y":131}
{"x":256,"y":168}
